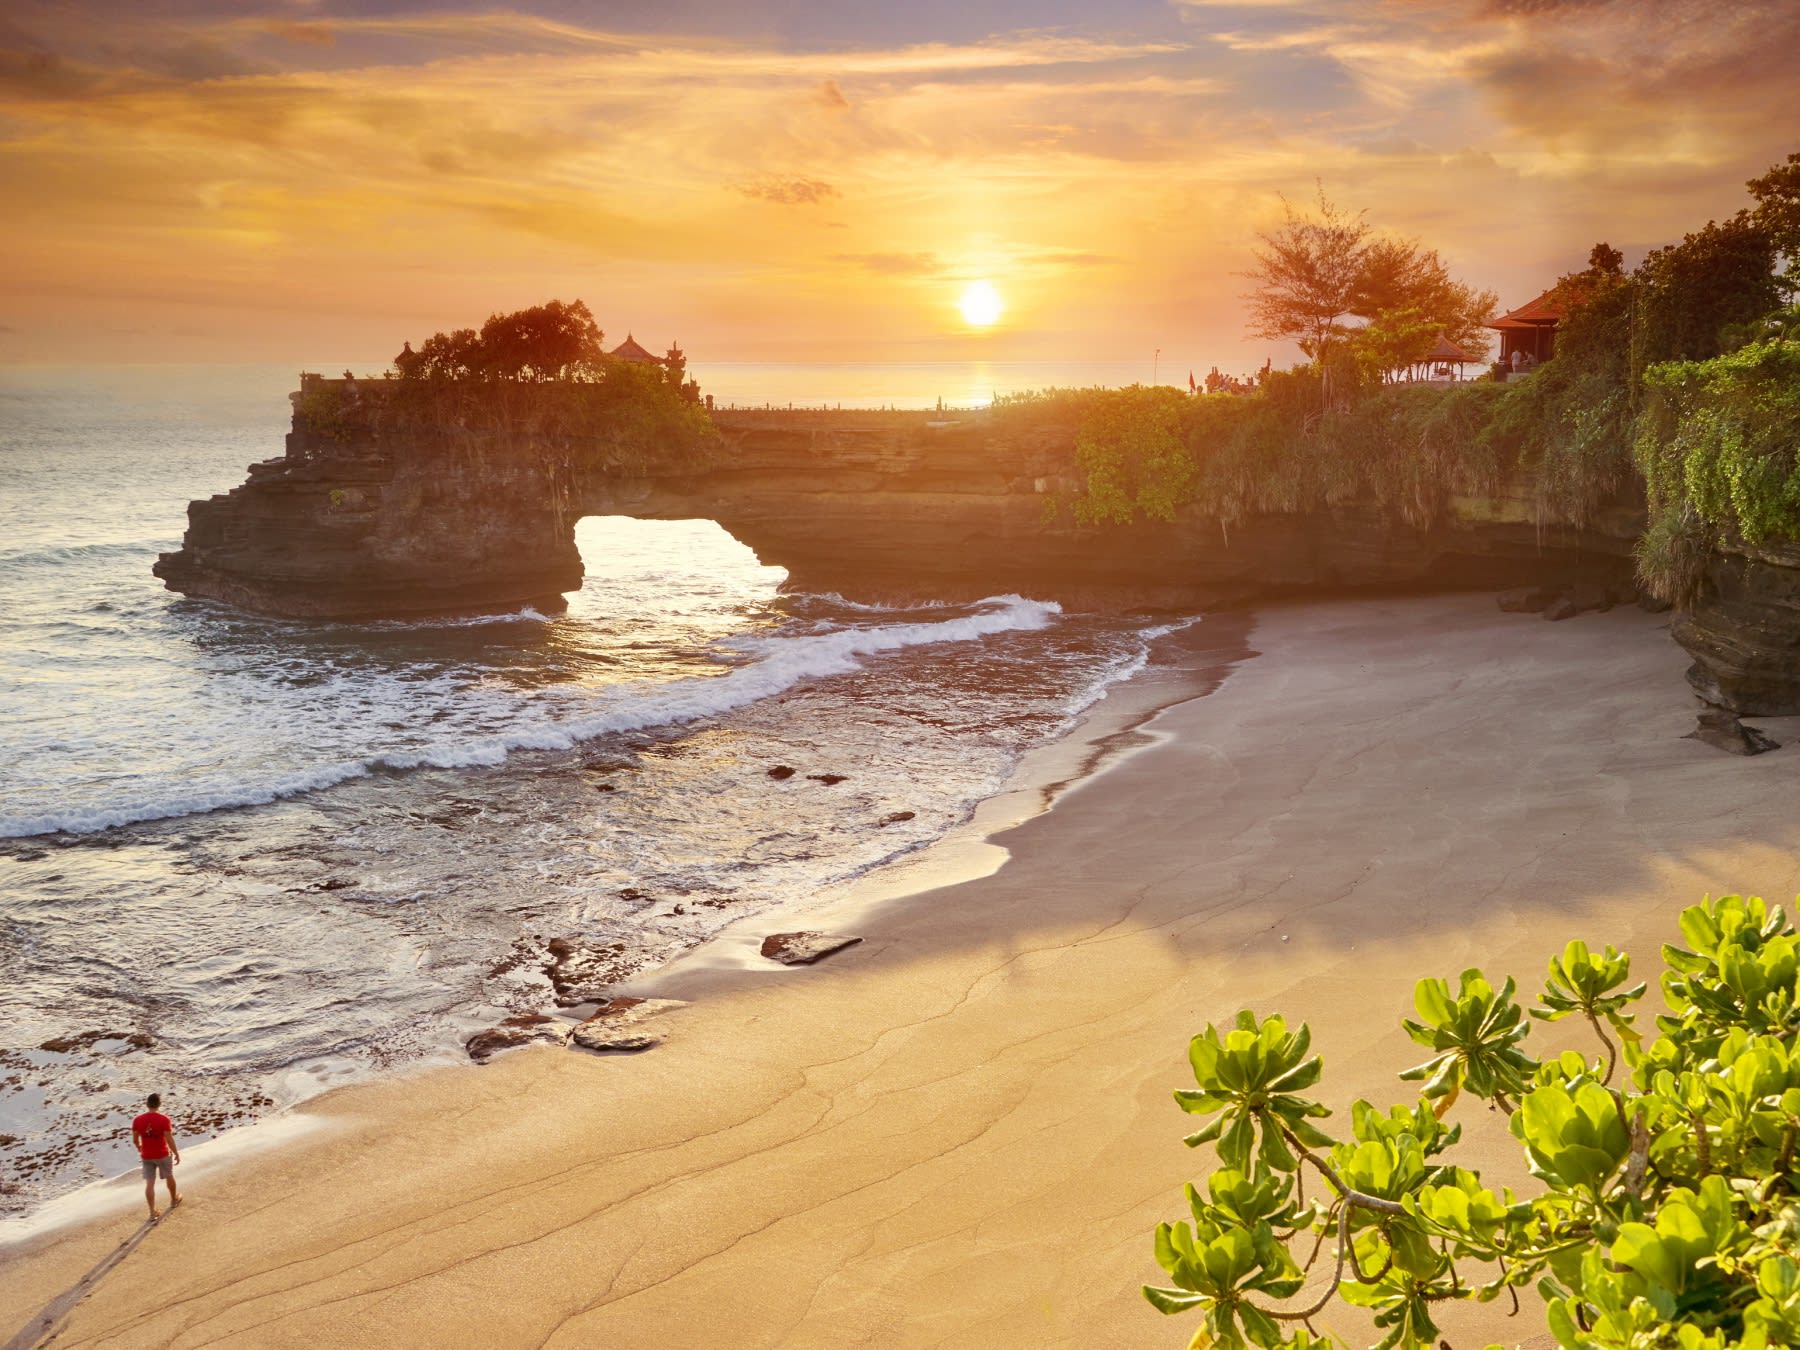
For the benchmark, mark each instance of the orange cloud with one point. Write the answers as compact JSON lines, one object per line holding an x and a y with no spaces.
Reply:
{"x":314,"y":34}
{"x":418,"y":171}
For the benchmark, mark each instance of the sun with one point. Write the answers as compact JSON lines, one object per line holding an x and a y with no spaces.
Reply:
{"x":981,"y":304}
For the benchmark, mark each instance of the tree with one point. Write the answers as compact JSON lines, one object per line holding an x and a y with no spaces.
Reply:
{"x":445,"y":356}
{"x":1319,"y":270}
{"x":1667,"y":1215}
{"x":1399,"y":275}
{"x":546,"y":342}
{"x":1307,"y":276}
{"x":1688,"y":294}
{"x":552,"y":341}
{"x":1777,"y":212}
{"x":1392,"y":341}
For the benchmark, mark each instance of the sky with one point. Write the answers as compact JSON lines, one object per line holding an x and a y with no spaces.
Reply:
{"x":820,"y":180}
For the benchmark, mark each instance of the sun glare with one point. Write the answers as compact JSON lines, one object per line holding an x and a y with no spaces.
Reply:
{"x":980,"y":304}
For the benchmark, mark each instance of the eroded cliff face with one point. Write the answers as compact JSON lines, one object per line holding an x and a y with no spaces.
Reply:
{"x":872,"y":505}
{"x":360,"y":532}
{"x":1744,"y":635}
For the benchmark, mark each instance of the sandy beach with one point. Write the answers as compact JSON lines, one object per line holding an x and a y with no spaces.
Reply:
{"x":960,"y":1132}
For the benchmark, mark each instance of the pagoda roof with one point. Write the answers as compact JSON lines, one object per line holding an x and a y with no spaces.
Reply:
{"x":1446,"y":350}
{"x":629,"y":350}
{"x":1538,"y":313}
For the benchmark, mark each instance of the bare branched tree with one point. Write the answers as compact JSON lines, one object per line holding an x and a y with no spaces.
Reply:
{"x":1307,"y":275}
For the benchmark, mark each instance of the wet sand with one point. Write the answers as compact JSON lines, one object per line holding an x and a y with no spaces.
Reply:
{"x":960,"y":1132}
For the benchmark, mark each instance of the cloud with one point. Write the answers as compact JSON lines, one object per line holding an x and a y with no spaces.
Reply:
{"x":922,"y":264}
{"x":311,"y":34}
{"x":790,"y":191}
{"x":390,"y":157}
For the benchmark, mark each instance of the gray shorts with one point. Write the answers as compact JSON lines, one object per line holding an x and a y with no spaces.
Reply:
{"x":159,"y":1167}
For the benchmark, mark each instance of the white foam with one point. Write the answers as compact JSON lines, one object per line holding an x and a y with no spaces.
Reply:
{"x":776,"y":664}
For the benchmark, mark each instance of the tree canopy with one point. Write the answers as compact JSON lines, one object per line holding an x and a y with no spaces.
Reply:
{"x":551,"y":341}
{"x":1320,"y":269}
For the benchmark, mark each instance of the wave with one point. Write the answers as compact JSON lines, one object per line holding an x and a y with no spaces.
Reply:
{"x":69,"y":553}
{"x":837,"y":601}
{"x":775,"y":665}
{"x":525,"y":615}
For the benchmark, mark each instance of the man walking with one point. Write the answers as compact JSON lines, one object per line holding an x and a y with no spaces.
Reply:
{"x":154,"y":1135}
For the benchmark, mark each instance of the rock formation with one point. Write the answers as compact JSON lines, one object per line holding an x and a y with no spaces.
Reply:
{"x":1744,"y":633}
{"x":620,"y":1025}
{"x":869,"y":504}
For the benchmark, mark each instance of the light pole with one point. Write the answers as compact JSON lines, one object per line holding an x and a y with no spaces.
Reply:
{"x":1156,"y":366}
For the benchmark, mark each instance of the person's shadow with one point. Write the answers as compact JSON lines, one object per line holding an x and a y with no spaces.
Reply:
{"x":50,"y":1319}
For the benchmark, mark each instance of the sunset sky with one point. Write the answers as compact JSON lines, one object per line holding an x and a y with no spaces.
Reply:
{"x":199,"y":180}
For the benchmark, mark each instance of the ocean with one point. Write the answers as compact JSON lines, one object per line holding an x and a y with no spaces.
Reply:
{"x":243,"y":860}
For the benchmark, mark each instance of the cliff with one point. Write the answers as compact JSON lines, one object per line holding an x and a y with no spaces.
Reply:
{"x":869,"y":504}
{"x":1744,"y":633}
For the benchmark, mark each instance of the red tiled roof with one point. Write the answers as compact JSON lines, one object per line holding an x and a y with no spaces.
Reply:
{"x":1533,"y":314}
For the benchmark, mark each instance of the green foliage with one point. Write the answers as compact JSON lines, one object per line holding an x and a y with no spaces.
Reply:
{"x":1673,"y":554}
{"x":1718,"y":440}
{"x":1130,"y":447}
{"x":1666,"y":1215}
{"x":326,"y":408}
{"x":1475,"y":1034}
{"x":1571,"y":421}
{"x":531,"y":385}
{"x":1688,"y":294}
{"x":1155,"y":452}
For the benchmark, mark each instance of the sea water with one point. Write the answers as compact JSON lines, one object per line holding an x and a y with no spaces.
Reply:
{"x":244,"y":859}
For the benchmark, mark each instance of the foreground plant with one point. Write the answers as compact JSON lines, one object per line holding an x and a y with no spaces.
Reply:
{"x":1668,"y":1215}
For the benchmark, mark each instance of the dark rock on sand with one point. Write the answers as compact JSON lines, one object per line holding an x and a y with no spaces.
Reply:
{"x":1581,"y":598}
{"x":336,"y":884}
{"x":583,"y":972}
{"x":1721,"y":728}
{"x":620,"y":1025}
{"x":802,"y":949}
{"x":524,"y":1029}
{"x":828,"y":779}
{"x":781,"y":771}
{"x":1529,"y":600}
{"x":895,"y":817}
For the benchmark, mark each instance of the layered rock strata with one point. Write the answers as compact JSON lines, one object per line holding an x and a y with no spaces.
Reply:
{"x":1744,"y":634}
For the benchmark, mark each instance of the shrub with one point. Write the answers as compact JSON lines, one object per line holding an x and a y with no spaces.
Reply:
{"x":1719,"y":439}
{"x":1666,"y":1215}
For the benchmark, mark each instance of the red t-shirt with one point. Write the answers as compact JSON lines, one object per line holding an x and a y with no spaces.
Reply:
{"x":154,"y":1128}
